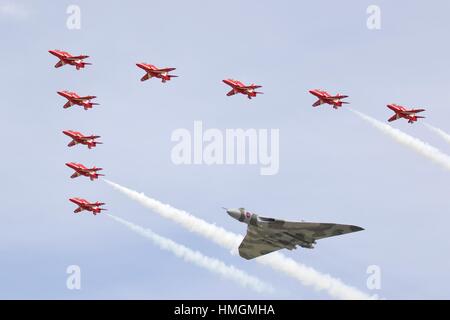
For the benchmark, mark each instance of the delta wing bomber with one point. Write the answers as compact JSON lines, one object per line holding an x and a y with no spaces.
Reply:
{"x":265,"y":235}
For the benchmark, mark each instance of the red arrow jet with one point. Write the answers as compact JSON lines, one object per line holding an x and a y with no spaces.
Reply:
{"x":325,"y":97}
{"x":75,"y":99}
{"x":402,"y":112}
{"x":154,"y":72}
{"x":239,"y":87}
{"x":67,"y":58}
{"x":94,"y":207}
{"x":81,"y":170}
{"x":79,"y":138}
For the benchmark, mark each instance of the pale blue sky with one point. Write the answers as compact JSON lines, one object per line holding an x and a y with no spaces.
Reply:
{"x":333,"y":166}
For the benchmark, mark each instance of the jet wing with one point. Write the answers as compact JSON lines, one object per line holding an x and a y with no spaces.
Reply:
{"x":76,"y":57}
{"x":75,"y":175}
{"x":167,"y":69}
{"x":394,"y":117}
{"x":162,"y":70}
{"x":413,"y":111}
{"x":284,"y":234}
{"x":81,"y":99}
{"x":256,"y":244}
{"x":337,"y":97}
{"x":317,"y":103}
{"x":316,"y":231}
{"x":68,"y":104}
{"x":252,"y":87}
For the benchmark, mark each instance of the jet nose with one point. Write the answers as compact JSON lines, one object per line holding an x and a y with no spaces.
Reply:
{"x":66,"y":132}
{"x":140,"y":65}
{"x":234,"y":213}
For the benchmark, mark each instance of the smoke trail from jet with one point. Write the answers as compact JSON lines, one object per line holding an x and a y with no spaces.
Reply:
{"x":415,"y":144}
{"x":211,"y":264}
{"x":444,"y":135}
{"x":228,"y":240}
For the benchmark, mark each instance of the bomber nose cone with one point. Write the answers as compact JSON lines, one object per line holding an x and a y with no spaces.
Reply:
{"x":234,"y":213}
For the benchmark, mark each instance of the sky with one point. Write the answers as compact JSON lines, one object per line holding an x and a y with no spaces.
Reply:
{"x":334,"y":167}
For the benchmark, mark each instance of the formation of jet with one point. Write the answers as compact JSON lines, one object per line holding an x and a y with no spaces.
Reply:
{"x":153,"y":72}
{"x":239,"y":87}
{"x":265,"y":235}
{"x":79,"y":138}
{"x":75,"y":99}
{"x":402,"y":112}
{"x":94,"y":207}
{"x":81,"y":170}
{"x":325,"y":97}
{"x":66,"y":58}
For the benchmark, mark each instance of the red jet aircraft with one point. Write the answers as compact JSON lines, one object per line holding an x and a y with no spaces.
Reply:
{"x":79,"y":138}
{"x":81,"y":170}
{"x":75,"y":99}
{"x":67,"y":58}
{"x":402,"y":112}
{"x":152,"y":71}
{"x":325,"y":97}
{"x":83,"y":204}
{"x":239,"y":87}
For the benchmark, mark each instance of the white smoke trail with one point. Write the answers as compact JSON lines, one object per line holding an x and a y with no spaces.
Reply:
{"x":306,"y":275}
{"x":415,"y":144}
{"x":444,"y":135}
{"x":211,"y":264}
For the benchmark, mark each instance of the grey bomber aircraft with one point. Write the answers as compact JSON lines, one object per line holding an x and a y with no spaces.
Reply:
{"x":265,"y":235}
